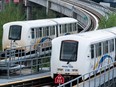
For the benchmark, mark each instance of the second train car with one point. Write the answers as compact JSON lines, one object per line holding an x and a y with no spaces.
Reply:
{"x":78,"y":54}
{"x":18,"y":34}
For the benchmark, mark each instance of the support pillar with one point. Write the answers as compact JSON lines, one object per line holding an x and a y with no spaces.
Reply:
{"x":47,"y":7}
{"x":28,"y":9}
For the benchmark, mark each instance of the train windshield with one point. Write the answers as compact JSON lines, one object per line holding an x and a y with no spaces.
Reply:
{"x":15,"y":32}
{"x":69,"y":50}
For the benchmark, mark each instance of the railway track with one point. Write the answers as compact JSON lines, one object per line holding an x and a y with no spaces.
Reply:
{"x":94,"y":15}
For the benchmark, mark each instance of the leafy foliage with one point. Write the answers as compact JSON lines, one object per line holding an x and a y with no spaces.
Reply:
{"x":39,"y":12}
{"x":11,"y":12}
{"x":108,"y":21}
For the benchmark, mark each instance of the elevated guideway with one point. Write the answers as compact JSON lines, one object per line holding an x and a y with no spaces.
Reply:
{"x":23,"y":79}
{"x":76,"y":9}
{"x":67,"y":9}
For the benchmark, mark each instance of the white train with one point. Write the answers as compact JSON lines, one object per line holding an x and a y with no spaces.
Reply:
{"x":78,"y":54}
{"x":24,"y":33}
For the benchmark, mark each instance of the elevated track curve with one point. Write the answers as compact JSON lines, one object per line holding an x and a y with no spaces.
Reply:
{"x":86,"y":12}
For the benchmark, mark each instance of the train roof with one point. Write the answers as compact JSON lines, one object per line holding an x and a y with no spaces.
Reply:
{"x":43,"y":22}
{"x":32,"y":23}
{"x":64,"y":20}
{"x":91,"y":36}
{"x":99,"y":34}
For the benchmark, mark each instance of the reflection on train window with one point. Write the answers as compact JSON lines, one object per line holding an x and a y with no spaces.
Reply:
{"x":69,"y":50}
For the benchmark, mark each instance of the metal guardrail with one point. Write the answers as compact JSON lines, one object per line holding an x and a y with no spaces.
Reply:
{"x":103,"y":77}
{"x":14,"y":64}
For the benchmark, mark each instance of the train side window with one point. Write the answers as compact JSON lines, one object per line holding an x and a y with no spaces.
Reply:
{"x":105,"y":47}
{"x":36,"y":29}
{"x":32,"y":33}
{"x":98,"y":49}
{"x":69,"y":27}
{"x":52,"y":30}
{"x":74,"y":26}
{"x":44,"y":31}
{"x":40,"y":32}
{"x":65,"y":28}
{"x":47,"y":31}
{"x":92,"y":51}
{"x":111,"y":45}
{"x":60,"y":29}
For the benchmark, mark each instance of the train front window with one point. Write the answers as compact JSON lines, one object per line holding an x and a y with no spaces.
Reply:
{"x":69,"y":50}
{"x":15,"y":32}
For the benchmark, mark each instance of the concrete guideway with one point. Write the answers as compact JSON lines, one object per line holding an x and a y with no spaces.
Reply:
{"x":66,"y":9}
{"x":9,"y":82}
{"x":73,"y":8}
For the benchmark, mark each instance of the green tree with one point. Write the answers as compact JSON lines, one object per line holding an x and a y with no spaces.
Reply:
{"x":39,"y":12}
{"x":11,"y":12}
{"x":108,"y":21}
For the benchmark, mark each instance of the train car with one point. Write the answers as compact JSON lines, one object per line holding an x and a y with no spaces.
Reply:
{"x":25,"y":33}
{"x":78,"y":54}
